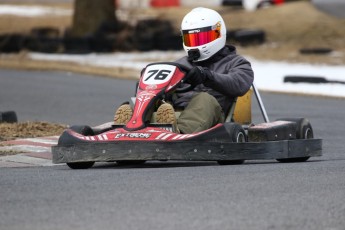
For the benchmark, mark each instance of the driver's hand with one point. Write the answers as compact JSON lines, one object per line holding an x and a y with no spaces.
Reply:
{"x":197,"y":75}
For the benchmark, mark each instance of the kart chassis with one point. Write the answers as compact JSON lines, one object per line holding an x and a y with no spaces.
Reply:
{"x":296,"y":149}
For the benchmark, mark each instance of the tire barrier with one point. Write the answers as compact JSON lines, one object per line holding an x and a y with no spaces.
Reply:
{"x":76,"y":45}
{"x":104,"y":39}
{"x":310,"y":79}
{"x":12,"y":43}
{"x":318,"y":50}
{"x":8,"y":117}
{"x":246,"y":37}
{"x":150,"y":34}
{"x":154,"y":34}
{"x":232,"y":3}
{"x":44,"y":40}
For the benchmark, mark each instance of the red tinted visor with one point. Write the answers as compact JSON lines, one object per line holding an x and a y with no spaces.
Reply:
{"x":201,"y":36}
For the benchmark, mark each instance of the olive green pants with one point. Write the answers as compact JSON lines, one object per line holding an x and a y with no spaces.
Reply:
{"x":202,"y":112}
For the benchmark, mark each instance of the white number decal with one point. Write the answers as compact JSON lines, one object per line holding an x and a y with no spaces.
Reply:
{"x":158,"y":74}
{"x":161,"y":75}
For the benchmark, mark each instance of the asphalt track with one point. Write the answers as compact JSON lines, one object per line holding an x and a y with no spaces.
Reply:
{"x":167,"y":195}
{"x":62,"y":97}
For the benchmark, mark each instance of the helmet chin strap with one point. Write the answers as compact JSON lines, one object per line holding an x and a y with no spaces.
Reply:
{"x":193,"y":55}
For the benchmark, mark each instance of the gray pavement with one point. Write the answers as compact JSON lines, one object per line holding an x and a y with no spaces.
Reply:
{"x":62,"y":97}
{"x":332,"y":7}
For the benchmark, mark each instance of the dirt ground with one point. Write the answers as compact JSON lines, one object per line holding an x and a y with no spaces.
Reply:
{"x":288,"y":28}
{"x":10,"y":131}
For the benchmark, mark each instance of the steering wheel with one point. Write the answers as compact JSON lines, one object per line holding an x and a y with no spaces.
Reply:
{"x":188,"y":87}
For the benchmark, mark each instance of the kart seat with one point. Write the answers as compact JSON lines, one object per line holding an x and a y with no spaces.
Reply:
{"x":240,"y":110}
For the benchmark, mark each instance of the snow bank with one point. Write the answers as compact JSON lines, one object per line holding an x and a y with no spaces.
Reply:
{"x":269,"y":75}
{"x":33,"y":11}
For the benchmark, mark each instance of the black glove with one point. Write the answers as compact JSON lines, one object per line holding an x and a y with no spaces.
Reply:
{"x":197,"y":75}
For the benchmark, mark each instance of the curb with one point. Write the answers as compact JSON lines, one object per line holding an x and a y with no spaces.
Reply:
{"x":31,"y":152}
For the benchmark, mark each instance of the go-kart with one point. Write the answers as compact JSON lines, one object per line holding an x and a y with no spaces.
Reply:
{"x":142,"y":139}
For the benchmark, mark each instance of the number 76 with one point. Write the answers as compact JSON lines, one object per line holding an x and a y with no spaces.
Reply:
{"x":159,"y":74}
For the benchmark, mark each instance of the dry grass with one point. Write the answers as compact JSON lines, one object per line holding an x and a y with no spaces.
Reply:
{"x":291,"y":27}
{"x":17,"y":24}
{"x":9,"y":131}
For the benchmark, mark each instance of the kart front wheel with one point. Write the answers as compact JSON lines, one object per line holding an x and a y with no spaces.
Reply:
{"x":86,"y":131}
{"x":303,"y":131}
{"x":237,"y":135}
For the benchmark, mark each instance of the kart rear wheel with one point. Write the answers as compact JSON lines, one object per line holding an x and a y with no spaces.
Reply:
{"x":237,"y":135}
{"x":81,"y":165}
{"x":86,"y":131}
{"x":129,"y":162}
{"x":303,"y":131}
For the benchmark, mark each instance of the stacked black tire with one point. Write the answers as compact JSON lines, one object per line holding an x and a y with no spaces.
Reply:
{"x":8,"y":117}
{"x":44,"y":40}
{"x":153,"y":34}
{"x":246,"y":37}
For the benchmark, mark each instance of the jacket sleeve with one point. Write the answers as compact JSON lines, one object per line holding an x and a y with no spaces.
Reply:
{"x":235,"y":80}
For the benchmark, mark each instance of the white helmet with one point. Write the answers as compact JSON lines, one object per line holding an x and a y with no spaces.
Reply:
{"x":203,"y":32}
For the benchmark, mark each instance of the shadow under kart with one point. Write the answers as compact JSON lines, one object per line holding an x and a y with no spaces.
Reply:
{"x":287,"y":140}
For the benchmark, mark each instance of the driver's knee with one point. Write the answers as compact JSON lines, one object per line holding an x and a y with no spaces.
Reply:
{"x":202,"y":112}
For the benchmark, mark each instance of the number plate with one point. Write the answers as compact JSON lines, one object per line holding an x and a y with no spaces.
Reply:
{"x":158,"y":74}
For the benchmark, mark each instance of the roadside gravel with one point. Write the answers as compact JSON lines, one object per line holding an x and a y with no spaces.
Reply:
{"x":10,"y":131}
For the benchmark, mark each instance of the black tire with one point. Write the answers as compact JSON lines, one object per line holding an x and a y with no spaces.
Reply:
{"x":305,"y":79}
{"x":156,"y":34}
{"x":83,"y":129}
{"x":45,"y":32}
{"x":232,"y":3}
{"x":86,"y":131}
{"x":44,"y":40}
{"x":77,"y":45}
{"x":247,"y":37}
{"x":130,"y":162}
{"x":102,"y":44}
{"x":11,"y":43}
{"x":65,"y":140}
{"x":44,"y":45}
{"x":237,"y":135}
{"x":9,"y":117}
{"x":81,"y":165}
{"x":231,"y":162}
{"x":304,"y":130}
{"x":318,"y":50}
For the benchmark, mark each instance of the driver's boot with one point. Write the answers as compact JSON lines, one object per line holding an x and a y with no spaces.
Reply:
{"x":166,"y":115}
{"x":123,"y":114}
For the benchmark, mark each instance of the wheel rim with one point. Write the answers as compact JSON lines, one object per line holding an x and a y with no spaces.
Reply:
{"x":308,"y":134}
{"x":240,"y":138}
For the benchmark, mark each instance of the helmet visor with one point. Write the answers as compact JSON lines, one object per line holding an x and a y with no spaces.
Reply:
{"x":201,"y":36}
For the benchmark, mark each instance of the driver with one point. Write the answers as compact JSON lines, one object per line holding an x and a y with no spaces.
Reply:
{"x":218,"y":73}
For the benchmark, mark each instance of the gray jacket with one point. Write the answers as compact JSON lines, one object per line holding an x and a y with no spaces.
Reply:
{"x":232,"y":76}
